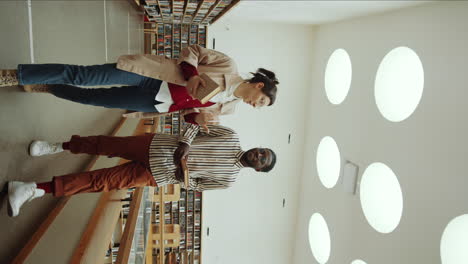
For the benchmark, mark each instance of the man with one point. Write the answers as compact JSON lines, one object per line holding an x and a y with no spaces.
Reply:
{"x":214,"y":161}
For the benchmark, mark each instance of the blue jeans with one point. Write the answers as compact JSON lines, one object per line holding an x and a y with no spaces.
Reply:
{"x":138,"y":95}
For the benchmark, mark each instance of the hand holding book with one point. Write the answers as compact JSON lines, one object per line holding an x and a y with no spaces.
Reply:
{"x":202,"y":87}
{"x":193,"y":84}
{"x":180,"y":160}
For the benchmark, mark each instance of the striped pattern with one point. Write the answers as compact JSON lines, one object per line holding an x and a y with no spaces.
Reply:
{"x":213,"y":161}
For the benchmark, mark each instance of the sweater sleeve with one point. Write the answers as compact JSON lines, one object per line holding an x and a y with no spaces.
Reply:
{"x":197,"y":55}
{"x":189,"y":134}
{"x":207,"y":181}
{"x":188,"y":70}
{"x":190,"y":118}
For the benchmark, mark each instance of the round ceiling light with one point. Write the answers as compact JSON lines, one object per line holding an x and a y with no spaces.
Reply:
{"x":328,"y":162}
{"x":319,"y":238}
{"x":381,"y":197}
{"x":399,"y":84}
{"x":338,"y":74}
{"x":358,"y":261}
{"x":454,"y":242}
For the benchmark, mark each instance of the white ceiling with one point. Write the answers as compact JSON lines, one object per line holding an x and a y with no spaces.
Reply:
{"x":427,"y":152}
{"x":310,"y":12}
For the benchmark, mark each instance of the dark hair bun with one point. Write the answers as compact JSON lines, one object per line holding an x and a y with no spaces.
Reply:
{"x":269,"y":74}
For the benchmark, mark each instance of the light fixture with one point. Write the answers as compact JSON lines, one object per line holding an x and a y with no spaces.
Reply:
{"x":399,"y":84}
{"x":381,"y":197}
{"x":328,"y":162}
{"x":358,"y":261}
{"x":338,"y":75}
{"x":454,"y":241}
{"x":319,"y":238}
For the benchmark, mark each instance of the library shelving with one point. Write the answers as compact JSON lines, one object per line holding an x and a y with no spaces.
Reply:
{"x":199,"y":12}
{"x":170,"y":26}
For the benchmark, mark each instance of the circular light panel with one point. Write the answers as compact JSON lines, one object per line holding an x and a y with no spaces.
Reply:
{"x":319,"y":238}
{"x":454,"y":242}
{"x":399,"y":84}
{"x":358,"y":261}
{"x":381,"y":197}
{"x":328,"y":162}
{"x":338,"y":74}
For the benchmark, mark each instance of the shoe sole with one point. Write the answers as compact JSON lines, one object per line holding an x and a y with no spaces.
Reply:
{"x":6,"y":190}
{"x":29,"y":149}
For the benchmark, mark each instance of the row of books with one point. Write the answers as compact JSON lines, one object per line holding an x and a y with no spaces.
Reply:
{"x":168,"y":125}
{"x":203,"y":11}
{"x":202,"y":37}
{"x":177,"y":10}
{"x":160,"y":40}
{"x":153,"y":13}
{"x":193,"y":39}
{"x":168,"y":40}
{"x":172,"y":38}
{"x":166,"y":12}
{"x":173,"y":211}
{"x":217,"y":10}
{"x":177,"y":40}
{"x":189,"y":218}
{"x":175,"y":13}
{"x":190,"y":11}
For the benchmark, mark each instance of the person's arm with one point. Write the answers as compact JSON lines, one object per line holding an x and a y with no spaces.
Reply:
{"x":195,"y":55}
{"x":203,"y":116}
{"x":188,"y":70}
{"x":180,"y":153}
{"x":206,"y":182}
{"x":183,"y":149}
{"x":189,"y":134}
{"x":217,"y":131}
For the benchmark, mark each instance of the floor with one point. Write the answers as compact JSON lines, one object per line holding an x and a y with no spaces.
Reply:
{"x":73,"y":32}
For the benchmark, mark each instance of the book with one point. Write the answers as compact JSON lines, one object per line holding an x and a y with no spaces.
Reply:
{"x":183,"y":163}
{"x":204,"y":94}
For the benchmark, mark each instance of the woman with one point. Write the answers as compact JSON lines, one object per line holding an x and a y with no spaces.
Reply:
{"x":155,"y":84}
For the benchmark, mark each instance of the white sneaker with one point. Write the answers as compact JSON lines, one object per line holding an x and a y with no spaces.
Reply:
{"x":39,"y":148}
{"x":19,"y":193}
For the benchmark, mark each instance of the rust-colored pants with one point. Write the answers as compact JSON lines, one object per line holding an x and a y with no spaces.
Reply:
{"x":135,"y":173}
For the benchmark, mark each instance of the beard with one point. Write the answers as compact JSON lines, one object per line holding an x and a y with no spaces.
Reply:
{"x":248,"y":158}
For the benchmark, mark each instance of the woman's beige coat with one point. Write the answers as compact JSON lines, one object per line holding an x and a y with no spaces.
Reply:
{"x":221,"y":68}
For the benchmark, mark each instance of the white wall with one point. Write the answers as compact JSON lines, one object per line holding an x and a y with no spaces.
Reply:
{"x":247,"y":222}
{"x":427,"y":152}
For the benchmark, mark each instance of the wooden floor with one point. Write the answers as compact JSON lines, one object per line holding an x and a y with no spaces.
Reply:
{"x":25,"y":117}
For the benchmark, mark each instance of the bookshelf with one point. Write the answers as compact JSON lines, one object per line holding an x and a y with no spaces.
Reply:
{"x":199,"y":12}
{"x":175,"y":218}
{"x":170,"y":26}
{"x":168,"y":39}
{"x":185,"y":211}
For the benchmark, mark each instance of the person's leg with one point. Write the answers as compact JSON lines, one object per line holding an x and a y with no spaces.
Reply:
{"x":134,"y":98}
{"x":135,"y":148}
{"x":94,"y":75}
{"x":127,"y":175}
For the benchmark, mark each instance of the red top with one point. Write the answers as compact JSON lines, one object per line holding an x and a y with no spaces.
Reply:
{"x":181,"y":97}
